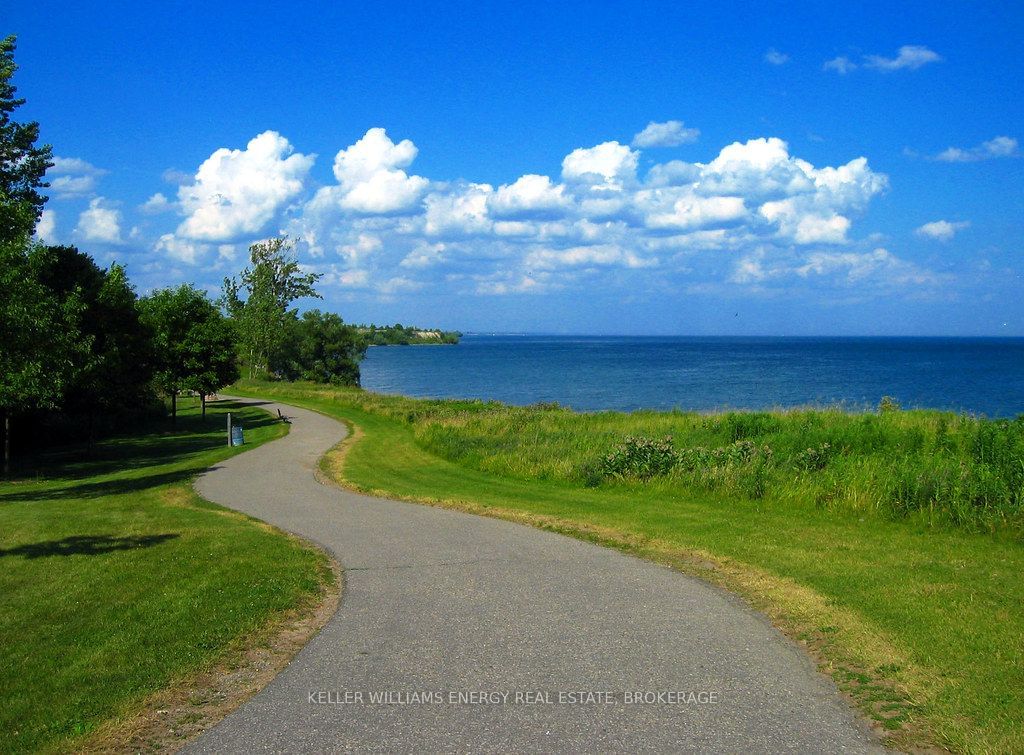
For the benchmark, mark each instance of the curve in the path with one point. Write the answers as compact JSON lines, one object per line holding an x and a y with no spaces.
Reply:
{"x":444,"y":604}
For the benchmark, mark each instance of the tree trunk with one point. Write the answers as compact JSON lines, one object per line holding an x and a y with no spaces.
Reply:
{"x":174,"y":410}
{"x":7,"y":443}
{"x":202,"y":398}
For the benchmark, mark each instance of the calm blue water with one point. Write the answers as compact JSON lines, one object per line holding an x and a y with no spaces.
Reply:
{"x":978,"y":375}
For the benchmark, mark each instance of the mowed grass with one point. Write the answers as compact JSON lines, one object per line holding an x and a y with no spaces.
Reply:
{"x":918,"y":619}
{"x":116,"y":579}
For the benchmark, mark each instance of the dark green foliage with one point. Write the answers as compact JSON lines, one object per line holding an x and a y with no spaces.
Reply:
{"x":39,"y":338}
{"x":40,"y":343}
{"x":22,"y":164}
{"x":321,"y":348}
{"x":193,"y":342}
{"x":212,"y":361}
{"x":740,"y":452}
{"x":37,"y":333}
{"x":640,"y":458}
{"x":114,"y":375}
{"x":813,"y":459}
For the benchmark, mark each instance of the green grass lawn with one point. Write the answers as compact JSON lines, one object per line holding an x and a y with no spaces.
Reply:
{"x":116,"y":579}
{"x":919,"y":621}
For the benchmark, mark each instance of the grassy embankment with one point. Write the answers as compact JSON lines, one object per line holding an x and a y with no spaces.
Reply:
{"x":117,"y":580}
{"x":893,"y":553}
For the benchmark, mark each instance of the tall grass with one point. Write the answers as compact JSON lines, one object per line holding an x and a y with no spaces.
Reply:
{"x":950,"y":469}
{"x":962,"y":470}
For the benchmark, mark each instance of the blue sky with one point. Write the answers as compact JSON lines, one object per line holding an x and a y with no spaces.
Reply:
{"x":584,"y":168}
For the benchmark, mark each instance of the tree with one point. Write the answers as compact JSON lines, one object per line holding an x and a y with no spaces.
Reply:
{"x":39,"y":339}
{"x":22,"y":163}
{"x":114,"y":376}
{"x":270,"y":284}
{"x":320,"y":347}
{"x":212,"y":357}
{"x":35,"y":332}
{"x":194,"y":345}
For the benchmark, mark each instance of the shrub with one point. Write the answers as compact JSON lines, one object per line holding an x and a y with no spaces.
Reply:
{"x":640,"y":458}
{"x":740,"y":452}
{"x":814,"y":459}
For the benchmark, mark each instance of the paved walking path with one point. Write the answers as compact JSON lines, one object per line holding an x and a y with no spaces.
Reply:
{"x":442,"y":603}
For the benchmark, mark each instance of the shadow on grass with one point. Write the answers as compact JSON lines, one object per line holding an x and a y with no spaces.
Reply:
{"x":86,"y":545}
{"x":158,"y":445}
{"x":99,"y":489}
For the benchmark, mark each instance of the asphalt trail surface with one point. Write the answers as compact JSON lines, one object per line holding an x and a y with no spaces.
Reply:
{"x":479,"y":632}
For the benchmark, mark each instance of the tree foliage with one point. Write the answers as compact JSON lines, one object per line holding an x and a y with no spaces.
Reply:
{"x":114,"y":374}
{"x":39,"y":335}
{"x":321,"y":348}
{"x":260,"y":302}
{"x":193,"y":343}
{"x":22,"y":163}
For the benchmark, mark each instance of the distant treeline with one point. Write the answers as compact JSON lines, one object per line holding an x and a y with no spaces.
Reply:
{"x":405,"y":335}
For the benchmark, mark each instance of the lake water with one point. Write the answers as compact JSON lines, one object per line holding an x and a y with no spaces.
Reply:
{"x":978,"y":375}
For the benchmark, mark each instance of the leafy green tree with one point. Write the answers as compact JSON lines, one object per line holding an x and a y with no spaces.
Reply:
{"x":193,"y":344}
{"x":269,"y":285}
{"x":40,"y":342}
{"x":114,"y":375}
{"x":36,"y":333}
{"x":22,"y":163}
{"x":320,"y":347}
{"x":213,"y":361}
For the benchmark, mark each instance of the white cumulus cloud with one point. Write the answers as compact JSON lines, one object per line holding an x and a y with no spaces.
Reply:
{"x":775,"y":57}
{"x":371,"y":179}
{"x":529,"y":196}
{"x":237,"y":192}
{"x":100,"y":222}
{"x":156,"y":204}
{"x":182,"y":250}
{"x":859,"y":266}
{"x":381,"y":231}
{"x":609,"y":165}
{"x":667,"y":134}
{"x":803,"y":226}
{"x":424,"y":255}
{"x":600,"y":255}
{"x":72,"y":177}
{"x":357,"y":253}
{"x":941,"y":230}
{"x":462,"y":211}
{"x":46,"y":228}
{"x":693,"y":211}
